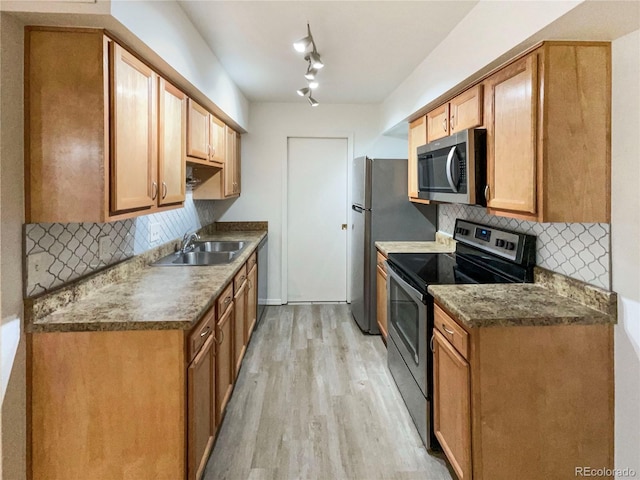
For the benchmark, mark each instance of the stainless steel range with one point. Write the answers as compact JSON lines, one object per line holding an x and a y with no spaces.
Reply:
{"x":483,"y":255}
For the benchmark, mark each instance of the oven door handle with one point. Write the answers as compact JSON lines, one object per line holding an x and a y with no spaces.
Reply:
{"x":405,"y":286}
{"x":452,"y":184}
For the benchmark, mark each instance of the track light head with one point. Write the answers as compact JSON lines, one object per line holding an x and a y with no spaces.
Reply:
{"x":304,"y":43}
{"x":303,"y":91}
{"x":311,"y":73}
{"x":314,"y":59}
{"x":312,"y":101}
{"x":313,"y":85}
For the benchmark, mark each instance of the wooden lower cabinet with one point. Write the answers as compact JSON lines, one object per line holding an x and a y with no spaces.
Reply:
{"x":240,"y":321}
{"x":252,"y":302}
{"x":452,"y":416}
{"x":143,"y":404}
{"x":381,"y":295}
{"x":201,"y":409}
{"x":225,"y":364}
{"x":525,"y":402}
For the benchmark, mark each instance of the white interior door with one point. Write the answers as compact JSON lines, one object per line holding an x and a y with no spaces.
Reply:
{"x":317,"y":210}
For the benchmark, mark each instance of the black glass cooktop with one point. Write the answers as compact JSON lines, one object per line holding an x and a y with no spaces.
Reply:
{"x":424,"y":269}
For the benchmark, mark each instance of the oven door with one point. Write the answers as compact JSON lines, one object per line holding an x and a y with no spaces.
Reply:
{"x":407,"y":318}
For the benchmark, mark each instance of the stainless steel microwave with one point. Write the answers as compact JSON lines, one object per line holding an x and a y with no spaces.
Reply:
{"x":454,"y":169}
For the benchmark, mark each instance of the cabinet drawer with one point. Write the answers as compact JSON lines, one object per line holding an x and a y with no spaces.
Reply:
{"x":453,"y":332}
{"x":225,"y":299}
{"x":381,"y":263}
{"x":201,"y":332}
{"x":240,"y":278}
{"x":251,"y":262}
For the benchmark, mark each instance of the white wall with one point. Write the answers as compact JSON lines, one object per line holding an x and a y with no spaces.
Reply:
{"x":625,"y":231}
{"x":166,"y":29}
{"x":11,"y":219}
{"x":264,"y":151}
{"x":489,"y":31}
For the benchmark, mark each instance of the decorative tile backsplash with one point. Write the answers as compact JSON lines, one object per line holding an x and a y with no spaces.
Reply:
{"x":577,"y":250}
{"x":67,"y":251}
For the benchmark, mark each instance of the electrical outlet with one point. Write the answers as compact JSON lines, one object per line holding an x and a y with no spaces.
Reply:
{"x":37,"y":265}
{"x":104,"y":248}
{"x":154,"y":233}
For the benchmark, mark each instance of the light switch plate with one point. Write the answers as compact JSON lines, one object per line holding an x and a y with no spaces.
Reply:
{"x":154,"y":233}
{"x":104,"y":248}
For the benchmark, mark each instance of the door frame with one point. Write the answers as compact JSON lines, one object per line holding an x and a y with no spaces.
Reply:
{"x":284,"y":287}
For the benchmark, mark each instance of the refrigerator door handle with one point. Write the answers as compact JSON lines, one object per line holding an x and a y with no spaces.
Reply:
{"x":357,"y":208}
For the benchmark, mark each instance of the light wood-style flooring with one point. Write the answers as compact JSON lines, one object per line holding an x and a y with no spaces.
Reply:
{"x":315,"y":400}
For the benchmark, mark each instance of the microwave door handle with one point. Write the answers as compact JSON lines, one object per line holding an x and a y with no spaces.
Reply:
{"x":452,"y":184}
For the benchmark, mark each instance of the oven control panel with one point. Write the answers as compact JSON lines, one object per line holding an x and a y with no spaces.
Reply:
{"x":514,"y":246}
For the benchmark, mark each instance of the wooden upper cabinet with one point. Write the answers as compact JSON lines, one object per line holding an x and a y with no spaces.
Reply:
{"x":91,"y":130}
{"x":548,"y":125}
{"x":134,"y":130}
{"x":198,"y":145}
{"x":438,"y":123}
{"x":217,"y":139}
{"x":417,"y":137}
{"x":230,"y":164}
{"x":237,"y":169}
{"x":461,"y":113}
{"x":511,"y":160}
{"x":465,"y":110}
{"x":171,"y":145}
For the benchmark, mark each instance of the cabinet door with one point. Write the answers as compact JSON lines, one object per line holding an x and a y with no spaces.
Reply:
{"x":172,"y":131}
{"x":237,"y":171}
{"x":201,"y":409}
{"x":225,"y":366}
{"x":217,"y":139}
{"x":511,"y":137}
{"x":134,"y":129}
{"x":381,"y":305}
{"x":452,"y":405}
{"x":438,"y":123}
{"x":252,"y":301}
{"x":417,"y":137}
{"x":229,"y":166}
{"x":197,"y":131}
{"x":465,"y":111}
{"x":240,"y":320}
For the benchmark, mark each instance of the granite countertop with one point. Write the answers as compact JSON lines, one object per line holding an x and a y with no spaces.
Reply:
{"x":149,"y":298}
{"x":442,"y":244}
{"x":528,"y":304}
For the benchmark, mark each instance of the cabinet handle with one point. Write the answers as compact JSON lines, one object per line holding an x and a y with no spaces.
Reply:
{"x":206,"y":332}
{"x":154,"y":191}
{"x":164,"y":190}
{"x":221,"y":338}
{"x":444,"y":124}
{"x":242,"y":278}
{"x":249,"y":286}
{"x":451,"y":123}
{"x":431,"y":343}
{"x":486,"y":193}
{"x":227,"y":300}
{"x":450,"y":332}
{"x":213,"y":151}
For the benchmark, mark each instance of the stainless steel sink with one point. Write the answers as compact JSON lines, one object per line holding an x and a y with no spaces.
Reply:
{"x":215,"y":246}
{"x":195,"y":258}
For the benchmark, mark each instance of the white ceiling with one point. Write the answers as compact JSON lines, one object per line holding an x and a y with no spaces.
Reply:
{"x":368,"y":47}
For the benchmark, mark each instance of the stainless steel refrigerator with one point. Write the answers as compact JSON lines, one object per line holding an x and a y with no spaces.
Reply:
{"x":381,"y":212}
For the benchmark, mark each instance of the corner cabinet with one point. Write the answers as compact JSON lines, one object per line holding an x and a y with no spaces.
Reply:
{"x":548,"y":120}
{"x":525,"y":402}
{"x":92,"y":129}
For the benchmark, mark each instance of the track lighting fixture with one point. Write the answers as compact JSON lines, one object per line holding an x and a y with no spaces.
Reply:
{"x":314,"y":63}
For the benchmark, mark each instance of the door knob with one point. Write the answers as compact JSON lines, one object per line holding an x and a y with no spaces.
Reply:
{"x":344,"y":226}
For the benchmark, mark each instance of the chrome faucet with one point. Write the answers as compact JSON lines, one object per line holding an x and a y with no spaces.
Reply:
{"x":187,"y":241}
